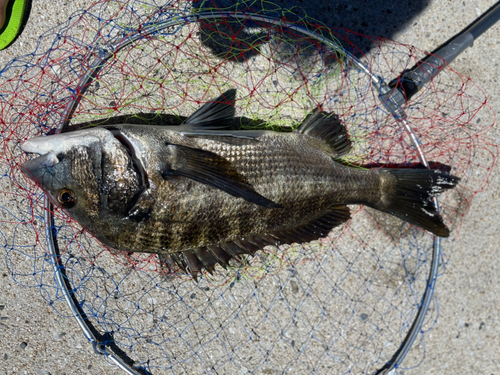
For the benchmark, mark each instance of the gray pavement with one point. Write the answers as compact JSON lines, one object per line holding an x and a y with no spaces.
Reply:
{"x":465,"y":338}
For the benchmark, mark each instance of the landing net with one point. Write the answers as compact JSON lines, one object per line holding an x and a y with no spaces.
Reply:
{"x":339,"y":305}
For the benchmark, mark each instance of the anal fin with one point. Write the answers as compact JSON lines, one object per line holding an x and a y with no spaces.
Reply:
{"x":316,"y":228}
{"x":193,"y":261}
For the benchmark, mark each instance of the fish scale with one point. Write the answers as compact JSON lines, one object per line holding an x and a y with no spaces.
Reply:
{"x":297,"y":182}
{"x":201,"y":193}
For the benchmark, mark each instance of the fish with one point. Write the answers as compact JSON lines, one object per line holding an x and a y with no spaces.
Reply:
{"x":202,"y":193}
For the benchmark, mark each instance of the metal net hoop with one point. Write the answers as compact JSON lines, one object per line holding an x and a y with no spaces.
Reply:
{"x":171,"y":60}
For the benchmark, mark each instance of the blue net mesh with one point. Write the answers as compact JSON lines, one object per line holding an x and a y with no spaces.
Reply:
{"x":339,"y":305}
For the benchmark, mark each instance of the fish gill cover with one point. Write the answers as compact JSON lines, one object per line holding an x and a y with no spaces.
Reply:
{"x":343,"y":304}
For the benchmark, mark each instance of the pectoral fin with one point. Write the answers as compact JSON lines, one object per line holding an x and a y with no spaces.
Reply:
{"x":211,"y":169}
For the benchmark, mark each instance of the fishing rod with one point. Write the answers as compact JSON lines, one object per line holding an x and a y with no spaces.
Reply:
{"x":412,"y":80}
{"x":402,"y":90}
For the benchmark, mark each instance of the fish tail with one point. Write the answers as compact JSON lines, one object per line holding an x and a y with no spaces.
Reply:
{"x":408,"y":194}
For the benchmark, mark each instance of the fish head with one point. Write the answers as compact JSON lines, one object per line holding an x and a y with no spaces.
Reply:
{"x":70,"y":170}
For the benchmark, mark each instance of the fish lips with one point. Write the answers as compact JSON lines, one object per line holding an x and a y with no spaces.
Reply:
{"x":37,"y":167}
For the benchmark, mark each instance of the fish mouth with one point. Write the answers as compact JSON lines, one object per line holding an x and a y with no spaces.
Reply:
{"x":39,"y":170}
{"x":34,"y":167}
{"x":52,"y":148}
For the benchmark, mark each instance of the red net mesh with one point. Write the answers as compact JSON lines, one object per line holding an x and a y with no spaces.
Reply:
{"x":345,"y":301}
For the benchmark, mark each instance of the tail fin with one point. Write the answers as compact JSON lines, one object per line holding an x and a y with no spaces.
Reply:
{"x":410,"y":194}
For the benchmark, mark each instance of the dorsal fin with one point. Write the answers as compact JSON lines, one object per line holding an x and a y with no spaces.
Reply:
{"x":214,"y":121}
{"x":327,"y":132}
{"x":217,"y":114}
{"x":193,"y":261}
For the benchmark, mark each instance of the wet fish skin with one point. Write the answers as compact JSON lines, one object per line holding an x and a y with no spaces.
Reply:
{"x":200,"y":194}
{"x":199,"y":215}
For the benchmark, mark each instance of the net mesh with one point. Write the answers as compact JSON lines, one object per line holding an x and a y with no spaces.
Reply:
{"x":342,"y":304}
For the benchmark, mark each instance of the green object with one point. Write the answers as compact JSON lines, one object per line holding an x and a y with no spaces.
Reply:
{"x":14,"y":15}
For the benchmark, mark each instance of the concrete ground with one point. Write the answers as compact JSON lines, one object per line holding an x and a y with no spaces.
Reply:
{"x":466,"y":337}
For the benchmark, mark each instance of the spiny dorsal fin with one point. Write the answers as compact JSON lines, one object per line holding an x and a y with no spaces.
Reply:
{"x":193,"y":261}
{"x":328,"y":133}
{"x":214,"y":121}
{"x":217,"y":114}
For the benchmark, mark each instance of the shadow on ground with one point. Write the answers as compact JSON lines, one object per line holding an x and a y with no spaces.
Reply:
{"x":379,"y":18}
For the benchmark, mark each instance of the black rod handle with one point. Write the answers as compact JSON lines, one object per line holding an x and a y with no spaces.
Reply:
{"x":412,"y":80}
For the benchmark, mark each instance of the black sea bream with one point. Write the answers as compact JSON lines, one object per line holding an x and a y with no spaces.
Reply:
{"x":200,"y":193}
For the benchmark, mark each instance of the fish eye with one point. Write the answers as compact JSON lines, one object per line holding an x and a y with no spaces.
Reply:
{"x":67,"y":198}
